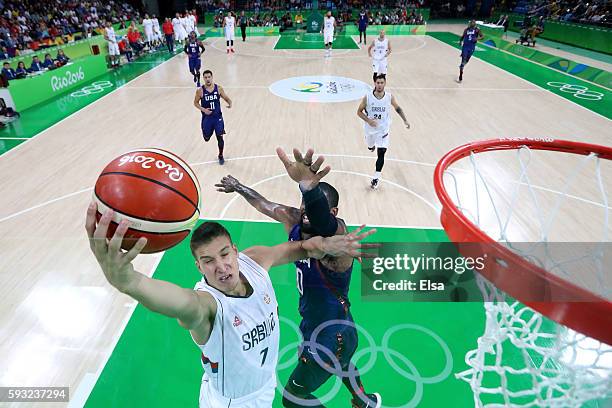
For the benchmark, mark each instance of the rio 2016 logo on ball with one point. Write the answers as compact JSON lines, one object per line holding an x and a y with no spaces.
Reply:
{"x":153,"y":189}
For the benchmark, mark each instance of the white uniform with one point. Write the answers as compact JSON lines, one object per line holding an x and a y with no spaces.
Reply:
{"x":380,"y":111}
{"x":194,"y":24}
{"x":156,"y":31}
{"x":230,"y":25}
{"x":147,"y":26}
{"x":379,"y":55}
{"x":189,"y":26}
{"x":241,"y":354}
{"x":113,"y":47}
{"x":328,"y":29}
{"x":184,"y":32}
{"x":178,"y":29}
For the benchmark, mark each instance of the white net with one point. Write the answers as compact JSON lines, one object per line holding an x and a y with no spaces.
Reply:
{"x":524,"y":359}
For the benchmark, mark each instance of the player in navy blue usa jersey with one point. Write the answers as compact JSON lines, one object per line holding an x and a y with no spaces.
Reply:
{"x":330,"y":336}
{"x":194,"y":49}
{"x":470,"y":37}
{"x":208,"y":101}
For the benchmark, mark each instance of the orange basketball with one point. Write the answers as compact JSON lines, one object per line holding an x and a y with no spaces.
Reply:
{"x":155,"y":190}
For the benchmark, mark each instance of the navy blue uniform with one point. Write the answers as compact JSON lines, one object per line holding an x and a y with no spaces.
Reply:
{"x":470,"y":37}
{"x":362,"y":22}
{"x":214,"y":121}
{"x":192,"y":48}
{"x":323,"y":298}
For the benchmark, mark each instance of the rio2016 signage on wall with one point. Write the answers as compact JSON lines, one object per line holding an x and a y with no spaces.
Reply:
{"x":32,"y":91}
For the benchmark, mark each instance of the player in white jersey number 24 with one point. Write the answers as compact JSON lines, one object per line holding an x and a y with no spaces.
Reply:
{"x":375,"y":111}
{"x":232,"y":313}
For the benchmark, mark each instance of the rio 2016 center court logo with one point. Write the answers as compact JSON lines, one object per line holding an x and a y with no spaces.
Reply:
{"x":323,"y":89}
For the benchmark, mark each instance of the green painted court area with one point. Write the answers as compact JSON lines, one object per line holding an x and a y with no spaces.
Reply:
{"x":156,"y":364}
{"x":313,"y":41}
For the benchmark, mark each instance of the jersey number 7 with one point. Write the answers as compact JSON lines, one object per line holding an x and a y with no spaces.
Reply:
{"x":265,"y":354}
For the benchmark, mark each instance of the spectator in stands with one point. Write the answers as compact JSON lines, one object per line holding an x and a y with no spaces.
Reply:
{"x":36,"y":65}
{"x":47,"y":21}
{"x":62,"y":58}
{"x":48,"y":62}
{"x":299,"y":18}
{"x":4,"y":54}
{"x":540,"y":25}
{"x":21,"y":71}
{"x":169,"y":34}
{"x":8,"y":71}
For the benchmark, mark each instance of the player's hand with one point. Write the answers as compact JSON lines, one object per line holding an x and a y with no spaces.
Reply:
{"x":229,"y":106}
{"x":116,"y":263}
{"x":343,"y":245}
{"x":303,"y":170}
{"x":227,"y":184}
{"x":372,"y":122}
{"x":407,"y":125}
{"x":206,"y":111}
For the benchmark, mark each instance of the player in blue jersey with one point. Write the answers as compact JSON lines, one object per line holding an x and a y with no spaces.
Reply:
{"x":194,"y":48}
{"x":330,"y":336}
{"x":470,"y":37}
{"x":208,"y":101}
{"x":362,"y":25}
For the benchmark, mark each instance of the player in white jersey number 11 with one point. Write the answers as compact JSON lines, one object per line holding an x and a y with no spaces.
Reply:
{"x":375,"y":111}
{"x":232,"y":314}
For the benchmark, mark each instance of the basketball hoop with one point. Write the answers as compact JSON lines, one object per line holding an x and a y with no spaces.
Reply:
{"x":583,"y":314}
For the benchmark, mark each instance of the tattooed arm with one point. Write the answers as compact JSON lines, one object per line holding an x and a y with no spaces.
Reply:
{"x":288,"y":216}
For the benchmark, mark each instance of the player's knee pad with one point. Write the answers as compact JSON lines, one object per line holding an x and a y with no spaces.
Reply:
{"x":207,"y":136}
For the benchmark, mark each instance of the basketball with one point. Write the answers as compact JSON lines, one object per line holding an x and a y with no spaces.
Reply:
{"x":156,"y":191}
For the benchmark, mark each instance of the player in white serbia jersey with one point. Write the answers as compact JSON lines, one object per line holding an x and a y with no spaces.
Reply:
{"x":229,"y":25}
{"x":232,"y":314}
{"x":375,"y":111}
{"x":329,"y":25}
{"x":379,"y":50}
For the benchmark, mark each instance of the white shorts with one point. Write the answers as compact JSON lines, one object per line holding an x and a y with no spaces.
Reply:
{"x":149,"y":36}
{"x":229,"y":35}
{"x":113,"y":49}
{"x":328,"y":37}
{"x":210,"y":397}
{"x":377,"y":139}
{"x":379,"y":66}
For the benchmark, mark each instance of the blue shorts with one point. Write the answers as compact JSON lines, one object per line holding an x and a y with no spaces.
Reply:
{"x":315,"y":366}
{"x":194,"y":64}
{"x":466,"y":53}
{"x":212,"y":123}
{"x":340,"y":339}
